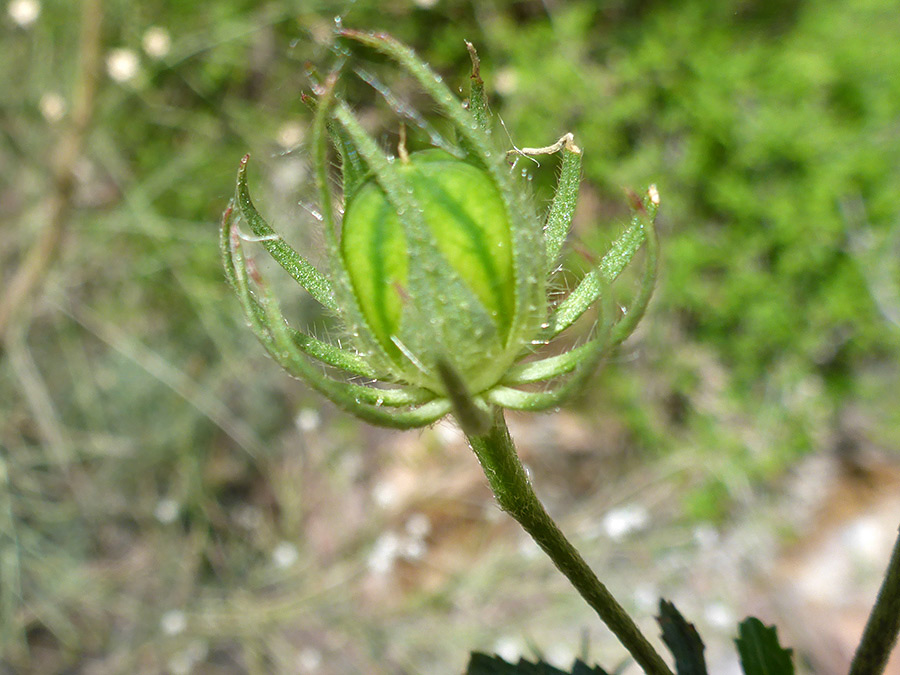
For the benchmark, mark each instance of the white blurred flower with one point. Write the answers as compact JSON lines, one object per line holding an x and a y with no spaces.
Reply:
{"x":384,"y":553}
{"x":156,"y":42}
{"x":167,"y":510}
{"x":506,"y":81}
{"x":173,"y":622}
{"x":290,"y":135}
{"x":183,"y":662}
{"x":509,"y":649}
{"x":418,"y":526}
{"x":385,"y":494}
{"x":623,"y":521}
{"x":308,"y":419}
{"x":426,"y":4}
{"x":561,"y":656}
{"x":53,"y":107}
{"x":413,"y":549}
{"x":646,"y":597}
{"x":24,"y":12}
{"x":122,"y":64}
{"x":285,"y":555}
{"x":309,"y":660}
{"x":706,"y":536}
{"x":866,"y":540}
{"x":719,"y":615}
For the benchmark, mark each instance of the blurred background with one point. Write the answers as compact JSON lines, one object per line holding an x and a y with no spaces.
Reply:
{"x":171,"y":502}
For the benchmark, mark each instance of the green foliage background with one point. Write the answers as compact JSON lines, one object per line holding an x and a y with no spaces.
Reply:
{"x":771,"y":129}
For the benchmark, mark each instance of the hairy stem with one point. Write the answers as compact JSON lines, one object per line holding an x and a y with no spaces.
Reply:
{"x":883,"y":625}
{"x":511,"y":487}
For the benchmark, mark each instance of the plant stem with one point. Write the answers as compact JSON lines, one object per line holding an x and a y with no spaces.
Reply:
{"x":883,"y":625}
{"x":511,"y":487}
{"x":36,"y":263}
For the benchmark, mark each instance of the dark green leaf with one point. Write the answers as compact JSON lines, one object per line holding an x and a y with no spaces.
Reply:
{"x":483,"y":664}
{"x":682,"y":640}
{"x":760,"y":652}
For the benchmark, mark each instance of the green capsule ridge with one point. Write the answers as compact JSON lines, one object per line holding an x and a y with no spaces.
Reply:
{"x":465,"y":214}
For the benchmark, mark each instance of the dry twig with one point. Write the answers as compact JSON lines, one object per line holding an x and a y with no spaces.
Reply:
{"x":36,"y":263}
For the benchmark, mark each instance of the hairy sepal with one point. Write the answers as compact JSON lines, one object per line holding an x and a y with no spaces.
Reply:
{"x":270,"y":327}
{"x":303,"y":272}
{"x":349,"y":312}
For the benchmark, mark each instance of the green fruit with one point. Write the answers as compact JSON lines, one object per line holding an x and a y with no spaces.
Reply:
{"x":468,"y":221}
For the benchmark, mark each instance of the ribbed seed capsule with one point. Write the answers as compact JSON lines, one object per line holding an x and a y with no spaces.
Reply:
{"x":469,"y":225}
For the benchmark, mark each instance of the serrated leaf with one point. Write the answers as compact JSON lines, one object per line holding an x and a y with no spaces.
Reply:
{"x":581,"y":668}
{"x":760,"y":651}
{"x":484,"y":664}
{"x":682,"y":639}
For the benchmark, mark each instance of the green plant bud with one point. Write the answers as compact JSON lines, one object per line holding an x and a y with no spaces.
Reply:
{"x":438,"y":269}
{"x":467,"y":220}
